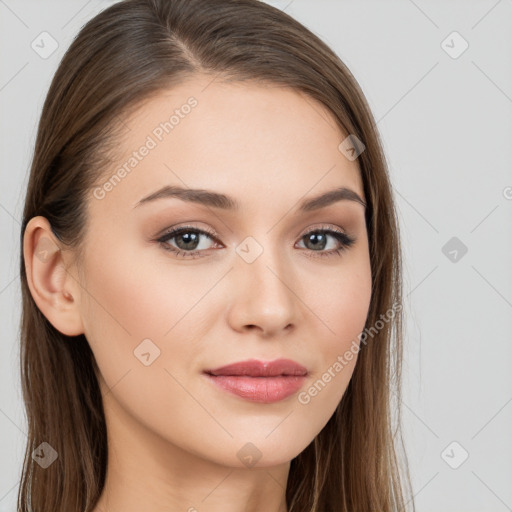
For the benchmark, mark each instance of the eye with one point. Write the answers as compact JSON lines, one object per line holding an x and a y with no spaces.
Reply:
{"x":188,"y":240}
{"x":318,"y":240}
{"x":188,"y":243}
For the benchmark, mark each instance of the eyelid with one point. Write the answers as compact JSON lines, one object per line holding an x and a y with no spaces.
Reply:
{"x":177,"y":229}
{"x":323,"y":227}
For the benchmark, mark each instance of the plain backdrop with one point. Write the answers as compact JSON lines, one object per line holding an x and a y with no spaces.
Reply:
{"x":438,"y":77}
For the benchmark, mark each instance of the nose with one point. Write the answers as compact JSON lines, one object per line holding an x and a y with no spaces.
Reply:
{"x":263,"y":297}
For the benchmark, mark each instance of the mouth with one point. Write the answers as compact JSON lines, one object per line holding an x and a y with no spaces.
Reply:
{"x":258,"y":381}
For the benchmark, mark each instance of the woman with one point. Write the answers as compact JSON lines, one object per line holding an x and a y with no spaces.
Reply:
{"x":211,"y":273}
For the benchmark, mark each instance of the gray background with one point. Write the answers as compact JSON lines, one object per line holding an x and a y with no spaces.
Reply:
{"x":446,"y":125}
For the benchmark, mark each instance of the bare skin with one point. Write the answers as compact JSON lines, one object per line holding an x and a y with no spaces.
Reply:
{"x":174,"y":437}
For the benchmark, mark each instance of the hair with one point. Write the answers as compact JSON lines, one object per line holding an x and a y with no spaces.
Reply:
{"x":121,"y":58}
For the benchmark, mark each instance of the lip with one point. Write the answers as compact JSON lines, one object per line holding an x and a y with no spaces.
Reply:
{"x":260,"y":381}
{"x":256,"y":368}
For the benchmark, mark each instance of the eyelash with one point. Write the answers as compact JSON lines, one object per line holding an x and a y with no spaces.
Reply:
{"x":345,"y":240}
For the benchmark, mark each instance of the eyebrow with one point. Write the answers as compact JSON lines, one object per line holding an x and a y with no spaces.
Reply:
{"x":222,"y":201}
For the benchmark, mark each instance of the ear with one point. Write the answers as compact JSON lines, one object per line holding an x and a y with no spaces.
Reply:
{"x":54,"y":289}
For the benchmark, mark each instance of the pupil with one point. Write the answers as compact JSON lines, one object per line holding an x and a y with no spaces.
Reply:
{"x":190,"y":240}
{"x":321,"y":243}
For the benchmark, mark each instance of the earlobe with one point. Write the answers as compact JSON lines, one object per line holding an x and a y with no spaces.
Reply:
{"x":52,"y":286}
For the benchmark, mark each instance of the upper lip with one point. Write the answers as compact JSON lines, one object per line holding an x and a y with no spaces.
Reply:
{"x":256,"y":368}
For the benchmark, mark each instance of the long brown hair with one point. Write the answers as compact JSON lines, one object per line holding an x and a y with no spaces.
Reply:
{"x":120,"y":58}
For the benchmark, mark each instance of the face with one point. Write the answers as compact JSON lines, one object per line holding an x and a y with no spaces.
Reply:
{"x":248,"y":276}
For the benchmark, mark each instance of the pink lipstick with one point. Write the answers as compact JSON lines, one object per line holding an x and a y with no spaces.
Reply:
{"x":260,"y":381}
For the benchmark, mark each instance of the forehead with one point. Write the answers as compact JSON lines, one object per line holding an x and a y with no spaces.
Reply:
{"x":257,"y":142}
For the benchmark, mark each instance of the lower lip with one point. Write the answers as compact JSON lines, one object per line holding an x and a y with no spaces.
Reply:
{"x":260,"y":389}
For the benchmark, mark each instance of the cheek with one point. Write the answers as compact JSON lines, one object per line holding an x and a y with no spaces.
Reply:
{"x":348,"y":310}
{"x":342,"y":303}
{"x":342,"y":311}
{"x":140,"y":296}
{"x":128,"y":300}
{"x":132,"y":308}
